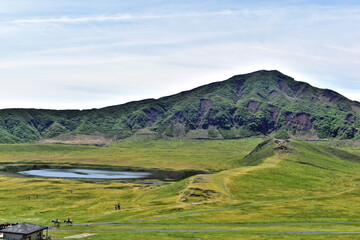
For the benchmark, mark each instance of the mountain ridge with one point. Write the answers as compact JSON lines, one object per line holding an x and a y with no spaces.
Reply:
{"x":258,"y":103}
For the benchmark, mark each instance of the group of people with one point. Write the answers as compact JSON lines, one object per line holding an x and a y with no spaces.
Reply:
{"x":69,"y":222}
{"x":117,"y":206}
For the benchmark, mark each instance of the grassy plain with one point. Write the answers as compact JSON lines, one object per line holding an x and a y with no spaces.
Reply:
{"x":297,"y":190}
{"x":142,"y":152}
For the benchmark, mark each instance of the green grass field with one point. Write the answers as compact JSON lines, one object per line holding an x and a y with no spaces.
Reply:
{"x":143,"y":152}
{"x":282,"y":190}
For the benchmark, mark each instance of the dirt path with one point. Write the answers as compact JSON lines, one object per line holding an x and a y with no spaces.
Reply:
{"x":216,"y":224}
{"x":83,"y":235}
{"x":213,"y":230}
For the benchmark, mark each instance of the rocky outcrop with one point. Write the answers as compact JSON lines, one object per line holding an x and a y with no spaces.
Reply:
{"x":152,"y":115}
{"x":253,"y":106}
{"x":282,"y":86}
{"x":272,"y":93}
{"x":301,"y":121}
{"x":274,"y":113}
{"x":205,"y":105}
{"x":204,"y":108}
{"x":350,"y":118}
{"x":330,"y":95}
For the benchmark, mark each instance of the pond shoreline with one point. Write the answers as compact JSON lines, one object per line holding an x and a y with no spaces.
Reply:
{"x":161,"y":174}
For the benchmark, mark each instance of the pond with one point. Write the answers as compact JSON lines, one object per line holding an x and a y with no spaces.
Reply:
{"x":86,"y":174}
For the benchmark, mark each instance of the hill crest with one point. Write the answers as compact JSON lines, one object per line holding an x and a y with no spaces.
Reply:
{"x":264,"y":103}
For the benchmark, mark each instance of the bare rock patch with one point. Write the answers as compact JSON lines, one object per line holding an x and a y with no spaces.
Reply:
{"x":253,"y":106}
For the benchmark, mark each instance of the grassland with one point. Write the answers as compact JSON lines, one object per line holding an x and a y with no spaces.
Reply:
{"x":294,"y":190}
{"x":142,"y":152}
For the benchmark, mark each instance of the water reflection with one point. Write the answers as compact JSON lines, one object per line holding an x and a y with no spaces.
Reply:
{"x":86,"y":173}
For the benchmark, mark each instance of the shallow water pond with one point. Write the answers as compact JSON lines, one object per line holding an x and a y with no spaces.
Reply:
{"x":86,"y":173}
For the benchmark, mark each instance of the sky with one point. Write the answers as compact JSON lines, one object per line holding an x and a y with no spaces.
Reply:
{"x":84,"y":54}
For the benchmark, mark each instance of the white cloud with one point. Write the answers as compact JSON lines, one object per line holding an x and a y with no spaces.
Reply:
{"x":119,"y":17}
{"x":61,"y":62}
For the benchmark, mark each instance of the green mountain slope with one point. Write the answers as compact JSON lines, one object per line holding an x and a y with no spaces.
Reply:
{"x":259,"y":103}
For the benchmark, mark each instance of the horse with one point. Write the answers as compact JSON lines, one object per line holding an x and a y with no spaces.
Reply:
{"x":68,"y":222}
{"x":56,"y":222}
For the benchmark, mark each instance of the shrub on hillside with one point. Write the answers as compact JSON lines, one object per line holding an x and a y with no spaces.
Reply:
{"x":282,"y":134}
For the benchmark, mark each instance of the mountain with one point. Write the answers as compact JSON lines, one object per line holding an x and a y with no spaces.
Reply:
{"x":258,"y":103}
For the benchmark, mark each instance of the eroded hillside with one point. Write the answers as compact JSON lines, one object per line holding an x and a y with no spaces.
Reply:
{"x":259,"y":103}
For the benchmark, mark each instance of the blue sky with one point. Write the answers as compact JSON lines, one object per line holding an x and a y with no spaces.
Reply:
{"x":89,"y":53}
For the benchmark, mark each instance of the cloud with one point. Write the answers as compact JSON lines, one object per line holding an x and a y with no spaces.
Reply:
{"x":119,"y":17}
{"x":63,"y":57}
